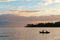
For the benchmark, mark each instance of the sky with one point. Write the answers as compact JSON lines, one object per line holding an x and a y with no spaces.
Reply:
{"x":26,"y":11}
{"x":43,"y":7}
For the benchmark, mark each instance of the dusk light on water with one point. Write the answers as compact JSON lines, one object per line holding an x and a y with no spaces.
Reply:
{"x":29,"y":19}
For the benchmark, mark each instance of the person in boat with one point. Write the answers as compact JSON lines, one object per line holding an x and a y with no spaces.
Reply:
{"x":46,"y":32}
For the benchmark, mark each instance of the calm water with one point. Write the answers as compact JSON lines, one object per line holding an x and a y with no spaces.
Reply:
{"x":29,"y":34}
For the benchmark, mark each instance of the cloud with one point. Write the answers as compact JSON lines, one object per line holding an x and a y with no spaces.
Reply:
{"x":47,"y":2}
{"x":8,"y":20}
{"x":20,"y":7}
{"x":28,"y":0}
{"x":22,"y":12}
{"x":40,"y":12}
{"x":25,"y":0}
{"x":3,"y":22}
{"x":6,"y":0}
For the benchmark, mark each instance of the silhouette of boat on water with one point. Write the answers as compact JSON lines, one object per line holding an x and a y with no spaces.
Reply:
{"x":44,"y":32}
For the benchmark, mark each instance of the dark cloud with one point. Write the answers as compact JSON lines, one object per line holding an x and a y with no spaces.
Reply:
{"x":3,"y":22}
{"x":18,"y":21}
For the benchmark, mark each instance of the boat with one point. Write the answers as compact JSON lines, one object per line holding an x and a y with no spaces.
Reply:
{"x":44,"y":32}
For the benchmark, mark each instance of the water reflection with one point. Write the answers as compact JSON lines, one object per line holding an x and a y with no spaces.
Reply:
{"x":29,"y":34}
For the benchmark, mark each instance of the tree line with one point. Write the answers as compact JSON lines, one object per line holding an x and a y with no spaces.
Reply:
{"x":56,"y":24}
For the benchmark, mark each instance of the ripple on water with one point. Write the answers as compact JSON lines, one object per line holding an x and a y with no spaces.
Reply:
{"x":29,"y":34}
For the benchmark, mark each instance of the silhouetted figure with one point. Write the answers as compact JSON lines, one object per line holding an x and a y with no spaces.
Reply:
{"x":47,"y":32}
{"x":44,"y":32}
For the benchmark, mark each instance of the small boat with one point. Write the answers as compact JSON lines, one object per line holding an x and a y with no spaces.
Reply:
{"x":44,"y":32}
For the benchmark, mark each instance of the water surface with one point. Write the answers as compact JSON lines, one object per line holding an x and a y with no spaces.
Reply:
{"x":18,"y":33}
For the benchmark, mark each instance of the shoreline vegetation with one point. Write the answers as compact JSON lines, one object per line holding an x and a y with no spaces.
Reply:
{"x":56,"y":24}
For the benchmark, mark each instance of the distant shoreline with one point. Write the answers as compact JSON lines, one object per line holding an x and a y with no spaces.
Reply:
{"x":56,"y":24}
